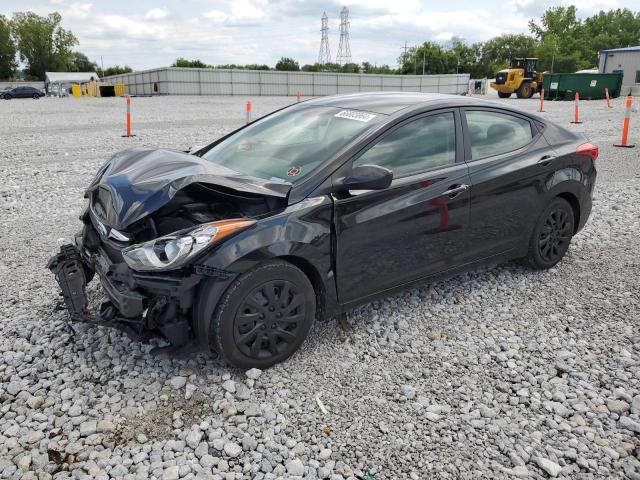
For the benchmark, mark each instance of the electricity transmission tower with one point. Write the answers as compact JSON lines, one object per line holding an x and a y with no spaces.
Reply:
{"x":324,"y":56}
{"x":344,"y":51}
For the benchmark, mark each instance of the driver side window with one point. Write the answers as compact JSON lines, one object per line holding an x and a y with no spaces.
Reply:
{"x":420,"y":145}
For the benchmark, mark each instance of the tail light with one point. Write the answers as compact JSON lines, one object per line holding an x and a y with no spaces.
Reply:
{"x":588,"y":150}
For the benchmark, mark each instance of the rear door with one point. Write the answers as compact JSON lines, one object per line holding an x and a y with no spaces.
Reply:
{"x":417,"y":226}
{"x":508,"y":161}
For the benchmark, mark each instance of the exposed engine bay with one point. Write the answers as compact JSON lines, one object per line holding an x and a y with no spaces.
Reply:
{"x":200,"y":203}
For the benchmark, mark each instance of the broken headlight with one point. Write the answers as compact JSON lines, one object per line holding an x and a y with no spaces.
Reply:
{"x":173,"y":251}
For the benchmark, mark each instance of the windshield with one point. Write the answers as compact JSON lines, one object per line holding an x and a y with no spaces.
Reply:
{"x":291,"y":143}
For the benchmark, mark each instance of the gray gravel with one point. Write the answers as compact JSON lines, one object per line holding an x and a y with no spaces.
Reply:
{"x":498,"y":373}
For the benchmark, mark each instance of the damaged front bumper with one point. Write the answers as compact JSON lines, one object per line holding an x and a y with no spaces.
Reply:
{"x":140,"y":304}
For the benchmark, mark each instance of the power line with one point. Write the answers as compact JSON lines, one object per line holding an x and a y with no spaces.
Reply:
{"x":324,"y":56}
{"x":404,"y":53}
{"x":344,"y":51}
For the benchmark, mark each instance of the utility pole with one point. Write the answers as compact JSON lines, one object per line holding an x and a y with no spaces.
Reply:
{"x":424,"y":56}
{"x":415,"y":61}
{"x":101,"y":64}
{"x":404,"y":54}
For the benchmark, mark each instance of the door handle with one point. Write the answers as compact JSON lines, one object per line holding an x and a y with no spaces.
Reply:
{"x":455,"y":190}
{"x":546,"y":160}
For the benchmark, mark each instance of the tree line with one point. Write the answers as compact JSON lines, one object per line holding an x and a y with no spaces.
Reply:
{"x":562,"y":41}
{"x":43,"y":46}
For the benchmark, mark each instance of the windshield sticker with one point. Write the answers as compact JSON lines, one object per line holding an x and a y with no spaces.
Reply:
{"x":277,"y":179}
{"x":355,"y":115}
{"x":293,"y":171}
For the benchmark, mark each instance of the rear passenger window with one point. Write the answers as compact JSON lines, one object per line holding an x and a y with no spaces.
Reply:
{"x":422,"y":144}
{"x":493,"y":133}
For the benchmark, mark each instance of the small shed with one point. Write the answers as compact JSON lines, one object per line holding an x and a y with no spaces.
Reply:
{"x":56,"y":82}
{"x":625,"y":62}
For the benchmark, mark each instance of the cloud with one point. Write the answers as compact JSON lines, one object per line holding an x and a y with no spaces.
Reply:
{"x":152,"y":34}
{"x":241,"y":13}
{"x":78,"y":10}
{"x":156,"y":14}
{"x":533,"y":9}
{"x":217,"y":16}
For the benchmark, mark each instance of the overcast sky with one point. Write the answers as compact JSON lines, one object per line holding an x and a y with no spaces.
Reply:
{"x":147,"y":34}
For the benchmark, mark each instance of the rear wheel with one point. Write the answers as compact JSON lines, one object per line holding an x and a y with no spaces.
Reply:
{"x":264,"y":316}
{"x":525,"y":90}
{"x":551,"y":236}
{"x":504,"y":94}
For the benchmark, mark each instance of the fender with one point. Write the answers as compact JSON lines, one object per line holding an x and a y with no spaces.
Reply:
{"x":576,"y":182}
{"x":302,"y":233}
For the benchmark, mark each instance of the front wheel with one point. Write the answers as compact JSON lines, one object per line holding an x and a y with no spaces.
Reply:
{"x":504,"y":94}
{"x":525,"y":90}
{"x":264,"y":316}
{"x":7,"y":97}
{"x":36,"y":96}
{"x":551,"y":236}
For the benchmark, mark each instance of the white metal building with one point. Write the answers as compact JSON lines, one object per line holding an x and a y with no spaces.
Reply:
{"x":625,"y":61}
{"x":210,"y":81}
{"x":57,"y":81}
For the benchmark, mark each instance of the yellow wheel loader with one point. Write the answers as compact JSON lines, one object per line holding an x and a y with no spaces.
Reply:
{"x":522,"y":78}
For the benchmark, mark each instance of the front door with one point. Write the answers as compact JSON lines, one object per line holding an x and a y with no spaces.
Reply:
{"x":417,"y":226}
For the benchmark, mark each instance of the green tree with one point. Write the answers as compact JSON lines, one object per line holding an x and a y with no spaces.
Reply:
{"x":249,"y":66}
{"x":433,"y":57}
{"x":562,"y":46}
{"x":311,"y":67}
{"x":287,"y":64}
{"x":8,"y":50}
{"x":498,"y":51}
{"x":43,"y":44}
{"x":612,"y":29}
{"x":80,"y":63}
{"x":184,"y":63}
{"x":115,"y":70}
{"x":367,"y":67}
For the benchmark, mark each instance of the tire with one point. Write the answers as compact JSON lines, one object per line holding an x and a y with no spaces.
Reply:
{"x":504,"y":94}
{"x":251,"y":327}
{"x":7,"y":97}
{"x":525,"y":90}
{"x":36,"y":96}
{"x":551,"y":236}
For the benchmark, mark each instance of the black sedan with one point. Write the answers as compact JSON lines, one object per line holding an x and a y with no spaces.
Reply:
{"x":21,"y":92}
{"x":317,"y":208}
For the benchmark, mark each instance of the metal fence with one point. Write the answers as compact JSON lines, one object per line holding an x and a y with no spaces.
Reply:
{"x":209,"y":81}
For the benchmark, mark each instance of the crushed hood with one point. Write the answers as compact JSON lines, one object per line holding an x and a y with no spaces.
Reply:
{"x":135,"y":183}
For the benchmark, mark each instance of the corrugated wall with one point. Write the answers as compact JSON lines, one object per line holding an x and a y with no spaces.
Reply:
{"x":207,"y":81}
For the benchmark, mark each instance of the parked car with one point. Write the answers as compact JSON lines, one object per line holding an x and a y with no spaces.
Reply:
{"x":316,"y":208}
{"x":22,"y":92}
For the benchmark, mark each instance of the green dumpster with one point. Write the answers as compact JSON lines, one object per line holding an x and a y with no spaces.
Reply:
{"x":590,"y":86}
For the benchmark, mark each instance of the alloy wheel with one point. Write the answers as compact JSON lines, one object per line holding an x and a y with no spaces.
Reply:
{"x":269,"y":319}
{"x":555,"y":235}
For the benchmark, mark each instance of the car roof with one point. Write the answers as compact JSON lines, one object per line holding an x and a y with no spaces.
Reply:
{"x":389,"y":103}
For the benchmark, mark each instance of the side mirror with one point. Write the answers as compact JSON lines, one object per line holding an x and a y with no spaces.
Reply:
{"x":367,"y":177}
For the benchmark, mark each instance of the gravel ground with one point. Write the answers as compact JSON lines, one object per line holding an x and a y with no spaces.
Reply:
{"x":498,"y":373}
